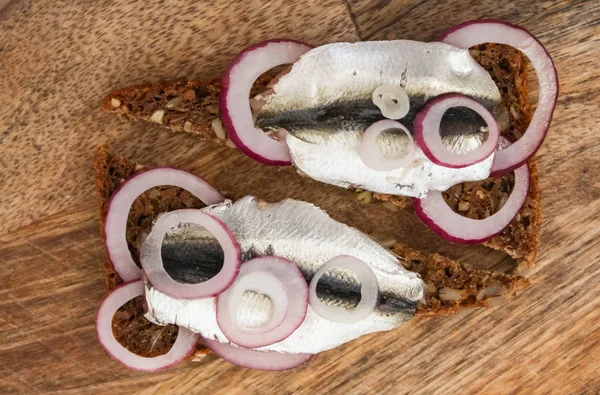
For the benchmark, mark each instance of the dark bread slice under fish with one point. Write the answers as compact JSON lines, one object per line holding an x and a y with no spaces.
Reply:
{"x":192,"y":106}
{"x":449,"y":285}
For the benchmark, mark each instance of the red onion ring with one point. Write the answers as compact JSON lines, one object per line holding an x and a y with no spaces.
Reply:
{"x":121,"y":201}
{"x":477,"y":32}
{"x":428,"y":137}
{"x":436,"y":213}
{"x":369,"y":291}
{"x":277,"y":278}
{"x":237,"y":81}
{"x":184,"y":345}
{"x":260,"y":360}
{"x":152,"y":263}
{"x":369,"y":151}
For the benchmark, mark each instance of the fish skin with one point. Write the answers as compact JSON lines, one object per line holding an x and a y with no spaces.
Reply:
{"x":324,"y":103}
{"x":306,"y":235}
{"x":350,"y":72}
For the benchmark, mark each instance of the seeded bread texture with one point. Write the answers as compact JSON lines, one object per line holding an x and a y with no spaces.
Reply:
{"x":144,"y":338}
{"x":181,"y":106}
{"x":196,"y":111}
{"x":129,"y":325}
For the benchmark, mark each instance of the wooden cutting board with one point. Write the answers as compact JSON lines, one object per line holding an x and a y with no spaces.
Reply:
{"x":57,"y":60}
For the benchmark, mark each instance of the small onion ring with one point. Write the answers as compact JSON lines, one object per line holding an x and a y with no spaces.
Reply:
{"x":469,"y":34}
{"x":427,"y":132}
{"x":234,"y":104}
{"x":283,"y":282}
{"x":369,"y":151}
{"x":369,"y":291}
{"x":436,"y":213}
{"x":184,"y":345}
{"x":259,"y":360}
{"x":121,"y":201}
{"x":400,"y":102}
{"x":152,"y":263}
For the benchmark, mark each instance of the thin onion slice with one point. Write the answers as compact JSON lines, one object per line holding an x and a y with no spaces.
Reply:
{"x":259,"y":360}
{"x":237,"y":81}
{"x":370,"y":152}
{"x":436,"y":213}
{"x":282,"y":281}
{"x":121,"y":201}
{"x":478,"y":32}
{"x":369,"y":291}
{"x":429,"y":139}
{"x":184,"y":345}
{"x":152,"y":263}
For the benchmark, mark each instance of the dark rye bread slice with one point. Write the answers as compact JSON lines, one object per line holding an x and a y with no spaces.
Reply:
{"x":196,"y":111}
{"x":449,"y":285}
{"x":480,"y":199}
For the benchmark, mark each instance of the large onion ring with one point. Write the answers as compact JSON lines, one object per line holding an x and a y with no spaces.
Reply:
{"x":369,"y":291}
{"x":477,"y":32}
{"x":260,"y":360}
{"x":427,"y":132}
{"x":436,"y":213}
{"x":121,"y":201}
{"x":282,"y":281}
{"x":370,"y":153}
{"x":152,"y":263}
{"x":234,"y":103}
{"x":184,"y":345}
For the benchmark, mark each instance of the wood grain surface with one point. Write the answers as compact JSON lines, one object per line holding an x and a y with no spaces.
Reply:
{"x":57,"y":60}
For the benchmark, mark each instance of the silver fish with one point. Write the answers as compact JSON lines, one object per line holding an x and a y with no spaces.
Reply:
{"x":306,"y":235}
{"x":324,"y":103}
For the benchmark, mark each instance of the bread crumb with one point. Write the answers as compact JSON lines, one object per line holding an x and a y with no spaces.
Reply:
{"x":157,"y":116}
{"x":187,"y":126}
{"x":173,"y":103}
{"x":217,"y":127}
{"x":390,"y":206}
{"x":463,"y":206}
{"x":230,"y":144}
{"x":449,"y":294}
{"x":364,"y":197}
{"x":115,"y":102}
{"x":189,"y":94}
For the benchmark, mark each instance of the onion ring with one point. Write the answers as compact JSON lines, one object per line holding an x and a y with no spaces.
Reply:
{"x":121,"y":201}
{"x":427,"y":132}
{"x":369,"y":291}
{"x":436,"y":213}
{"x":184,"y":345}
{"x":392,"y":101}
{"x":152,"y":263}
{"x":469,"y":34}
{"x":370,"y":153}
{"x":234,"y":104}
{"x":267,"y":360}
{"x":283,"y":282}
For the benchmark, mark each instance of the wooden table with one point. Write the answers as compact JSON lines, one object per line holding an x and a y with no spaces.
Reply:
{"x":57,"y":60}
